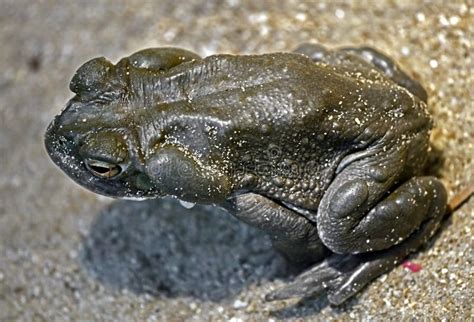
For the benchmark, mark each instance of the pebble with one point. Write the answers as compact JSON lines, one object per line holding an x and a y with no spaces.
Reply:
{"x":238,"y":304}
{"x":340,"y":13}
{"x":234,"y":319}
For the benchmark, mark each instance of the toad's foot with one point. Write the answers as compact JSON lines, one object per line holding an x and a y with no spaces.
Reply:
{"x":339,"y":276}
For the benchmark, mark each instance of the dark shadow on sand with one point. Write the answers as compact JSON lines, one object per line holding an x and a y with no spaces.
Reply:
{"x":160,"y":248}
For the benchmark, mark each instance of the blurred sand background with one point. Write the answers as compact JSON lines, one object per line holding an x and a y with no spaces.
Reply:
{"x":69,"y":255}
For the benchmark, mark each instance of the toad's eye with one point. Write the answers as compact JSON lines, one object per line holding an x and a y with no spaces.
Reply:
{"x":103,"y":169}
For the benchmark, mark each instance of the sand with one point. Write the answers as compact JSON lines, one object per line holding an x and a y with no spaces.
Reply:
{"x":69,"y":255}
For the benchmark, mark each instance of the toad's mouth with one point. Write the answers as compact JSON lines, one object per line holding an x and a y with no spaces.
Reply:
{"x":64,"y":153}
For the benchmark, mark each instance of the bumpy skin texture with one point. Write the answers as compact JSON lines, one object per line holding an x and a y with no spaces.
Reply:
{"x":322,"y":149}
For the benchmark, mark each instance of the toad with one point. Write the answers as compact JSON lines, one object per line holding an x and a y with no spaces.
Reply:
{"x":323,"y":149}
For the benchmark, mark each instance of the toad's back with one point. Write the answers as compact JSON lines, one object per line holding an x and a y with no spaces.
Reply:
{"x":268,"y":113}
{"x":288,"y":93}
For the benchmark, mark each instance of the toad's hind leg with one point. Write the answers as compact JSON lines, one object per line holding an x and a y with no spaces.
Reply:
{"x":369,"y":233}
{"x":385,"y":64}
{"x":421,"y":199}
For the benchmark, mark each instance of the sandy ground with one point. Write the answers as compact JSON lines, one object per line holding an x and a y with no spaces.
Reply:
{"x":69,"y":255}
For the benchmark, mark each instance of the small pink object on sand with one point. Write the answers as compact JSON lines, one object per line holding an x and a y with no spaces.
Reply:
{"x":414,"y":267}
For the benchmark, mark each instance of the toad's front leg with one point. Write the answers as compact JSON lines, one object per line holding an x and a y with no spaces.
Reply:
{"x":293,"y":235}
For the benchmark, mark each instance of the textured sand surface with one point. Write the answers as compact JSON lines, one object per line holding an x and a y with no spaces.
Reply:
{"x":69,"y":255}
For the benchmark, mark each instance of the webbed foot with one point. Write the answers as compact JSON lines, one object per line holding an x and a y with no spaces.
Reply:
{"x":339,"y":277}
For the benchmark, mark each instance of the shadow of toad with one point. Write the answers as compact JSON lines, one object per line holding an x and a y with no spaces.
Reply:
{"x":160,"y":248}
